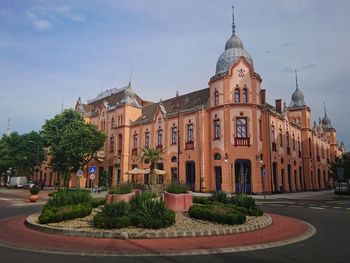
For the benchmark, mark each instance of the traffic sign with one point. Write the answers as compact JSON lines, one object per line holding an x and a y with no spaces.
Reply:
{"x":80,"y":173}
{"x":92,"y":170}
{"x":92,"y":176}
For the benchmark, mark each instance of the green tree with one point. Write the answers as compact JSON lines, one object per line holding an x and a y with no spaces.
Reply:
{"x":342,"y":161}
{"x":153,"y":156}
{"x":72,"y":142}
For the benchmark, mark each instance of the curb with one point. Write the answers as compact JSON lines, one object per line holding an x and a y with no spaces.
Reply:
{"x":30,"y":223}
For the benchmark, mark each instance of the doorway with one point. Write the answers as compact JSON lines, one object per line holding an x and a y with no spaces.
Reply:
{"x":190,"y":175}
{"x":218,"y":177}
{"x":243,"y":176}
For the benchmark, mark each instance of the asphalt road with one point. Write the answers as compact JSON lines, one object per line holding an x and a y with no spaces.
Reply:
{"x":330,"y":216}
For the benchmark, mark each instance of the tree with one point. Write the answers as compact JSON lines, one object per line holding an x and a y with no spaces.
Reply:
{"x":20,"y":154}
{"x":342,"y":161}
{"x":153,"y":156}
{"x":72,"y":142}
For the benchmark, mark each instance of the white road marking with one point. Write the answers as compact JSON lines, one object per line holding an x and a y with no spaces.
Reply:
{"x":296,"y":206}
{"x":324,"y":205}
{"x":336,"y":207}
{"x":315,"y":207}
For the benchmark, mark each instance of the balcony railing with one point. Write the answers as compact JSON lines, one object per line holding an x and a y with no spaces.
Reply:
{"x":189,"y":145}
{"x":288,"y":150}
{"x":274,"y":147}
{"x":159,"y":148}
{"x":134,"y":151}
{"x":242,"y":141}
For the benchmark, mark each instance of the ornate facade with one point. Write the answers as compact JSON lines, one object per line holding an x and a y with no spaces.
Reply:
{"x":224,"y":137}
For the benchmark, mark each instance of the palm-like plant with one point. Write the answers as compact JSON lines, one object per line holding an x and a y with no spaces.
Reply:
{"x":153,"y":156}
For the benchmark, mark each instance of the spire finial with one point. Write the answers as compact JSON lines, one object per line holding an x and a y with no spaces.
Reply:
{"x":324,"y":107}
{"x":296,"y":79}
{"x":130,"y":79}
{"x":233,"y":21}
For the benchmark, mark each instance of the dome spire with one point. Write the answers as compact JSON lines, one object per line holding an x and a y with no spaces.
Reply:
{"x":233,"y":21}
{"x":296,"y":79}
{"x":324,"y":107}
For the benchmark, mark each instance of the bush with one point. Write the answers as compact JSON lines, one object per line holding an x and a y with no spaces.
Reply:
{"x":116,"y":209}
{"x":67,"y":197}
{"x":58,"y":214}
{"x":201,"y":200}
{"x":136,"y":201}
{"x":96,"y":202}
{"x":101,"y":220}
{"x":153,"y":214}
{"x":121,"y":189}
{"x":177,"y":188}
{"x":220,"y":197}
{"x":243,"y":200}
{"x":34,"y":190}
{"x":52,"y":194}
{"x":216,"y":213}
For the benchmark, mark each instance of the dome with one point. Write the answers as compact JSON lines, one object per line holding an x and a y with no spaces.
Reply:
{"x":326,"y":121}
{"x":234,"y":49}
{"x":297,"y":99}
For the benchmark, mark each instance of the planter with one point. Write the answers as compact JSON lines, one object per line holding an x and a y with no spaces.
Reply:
{"x":178,"y":202}
{"x":117,"y":198}
{"x":33,"y":198}
{"x":137,"y":191}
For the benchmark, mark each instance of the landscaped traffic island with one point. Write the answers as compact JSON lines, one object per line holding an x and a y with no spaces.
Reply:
{"x":76,"y":213}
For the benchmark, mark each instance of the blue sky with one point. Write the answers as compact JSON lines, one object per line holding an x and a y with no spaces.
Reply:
{"x":51,"y":50}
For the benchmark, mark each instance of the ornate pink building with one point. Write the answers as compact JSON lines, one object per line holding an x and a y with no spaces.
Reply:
{"x":224,"y":137}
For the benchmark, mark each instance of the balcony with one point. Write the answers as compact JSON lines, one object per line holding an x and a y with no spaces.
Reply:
{"x":299,"y":154}
{"x":242,"y":141}
{"x":274,"y":147}
{"x":159,"y":148}
{"x":288,"y":150}
{"x":189,"y":145}
{"x":134,"y":152}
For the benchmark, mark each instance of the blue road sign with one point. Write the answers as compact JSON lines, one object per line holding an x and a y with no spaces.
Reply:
{"x":264,"y":173}
{"x":92,"y":170}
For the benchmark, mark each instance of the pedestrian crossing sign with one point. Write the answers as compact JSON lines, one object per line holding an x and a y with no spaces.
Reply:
{"x":92,"y":170}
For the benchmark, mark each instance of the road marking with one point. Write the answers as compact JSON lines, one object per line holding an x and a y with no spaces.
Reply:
{"x":315,"y":207}
{"x":5,"y":199}
{"x":275,"y":205}
{"x":296,"y":206}
{"x":324,"y":205}
{"x":276,"y":202}
{"x":336,"y":207}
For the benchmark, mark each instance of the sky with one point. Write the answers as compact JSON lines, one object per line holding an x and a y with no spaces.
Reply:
{"x":55,"y":51}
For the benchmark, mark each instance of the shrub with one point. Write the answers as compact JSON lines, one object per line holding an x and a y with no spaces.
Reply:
{"x":201,"y":200}
{"x":243,"y":200}
{"x":220,"y":197}
{"x":96,"y":202}
{"x":121,"y":189}
{"x":34,"y":190}
{"x":52,"y":194}
{"x":142,"y":187}
{"x":136,"y":201}
{"x":67,"y":197}
{"x":177,"y":188}
{"x":153,"y":214}
{"x":101,"y":220}
{"x":116,"y":209}
{"x":58,"y":214}
{"x":216,"y":213}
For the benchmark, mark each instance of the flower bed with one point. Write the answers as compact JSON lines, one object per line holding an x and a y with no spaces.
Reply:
{"x":178,"y":198}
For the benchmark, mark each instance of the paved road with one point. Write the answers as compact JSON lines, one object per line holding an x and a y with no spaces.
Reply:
{"x":330,"y":216}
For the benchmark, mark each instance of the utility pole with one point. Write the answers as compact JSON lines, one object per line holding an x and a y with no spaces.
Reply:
{"x":178,"y":134}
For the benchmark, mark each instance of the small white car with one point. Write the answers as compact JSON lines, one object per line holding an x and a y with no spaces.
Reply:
{"x":17,"y":182}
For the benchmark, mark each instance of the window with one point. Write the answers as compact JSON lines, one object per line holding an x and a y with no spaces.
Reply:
{"x":135,"y":140}
{"x":293,"y":141}
{"x":174,"y":159}
{"x":173,"y":135}
{"x":245,"y":95}
{"x":160,"y":137}
{"x":190,"y":133}
{"x":147,"y":139}
{"x":241,"y":127}
{"x":118,"y":121}
{"x":310,"y":150}
{"x":174,"y":174}
{"x":237,"y":95}
{"x":217,"y":156}
{"x":217,"y":129}
{"x":112,"y":123}
{"x":111,"y":144}
{"x":216,"y":98}
{"x":260,"y":129}
{"x":281,"y":137}
{"x":287,"y":139}
{"x":121,"y":119}
{"x":272,"y":134}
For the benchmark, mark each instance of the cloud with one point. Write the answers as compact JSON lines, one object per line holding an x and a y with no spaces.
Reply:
{"x":44,"y":18}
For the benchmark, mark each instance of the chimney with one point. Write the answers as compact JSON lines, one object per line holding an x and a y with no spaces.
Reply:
{"x":279,"y":105}
{"x":263,"y":96}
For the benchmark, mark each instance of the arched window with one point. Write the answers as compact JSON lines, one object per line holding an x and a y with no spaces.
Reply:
{"x":237,"y":95}
{"x":111,"y":144}
{"x":245,"y":95}
{"x":112,"y":123}
{"x":217,"y":156}
{"x":174,"y":159}
{"x":216,"y":98}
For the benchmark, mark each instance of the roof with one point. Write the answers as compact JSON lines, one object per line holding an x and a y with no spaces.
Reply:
{"x":187,"y":102}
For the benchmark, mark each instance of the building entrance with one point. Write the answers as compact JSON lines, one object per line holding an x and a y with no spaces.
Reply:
{"x":190,"y":175}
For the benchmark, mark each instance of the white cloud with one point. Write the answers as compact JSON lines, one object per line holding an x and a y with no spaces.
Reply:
{"x":42,"y":24}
